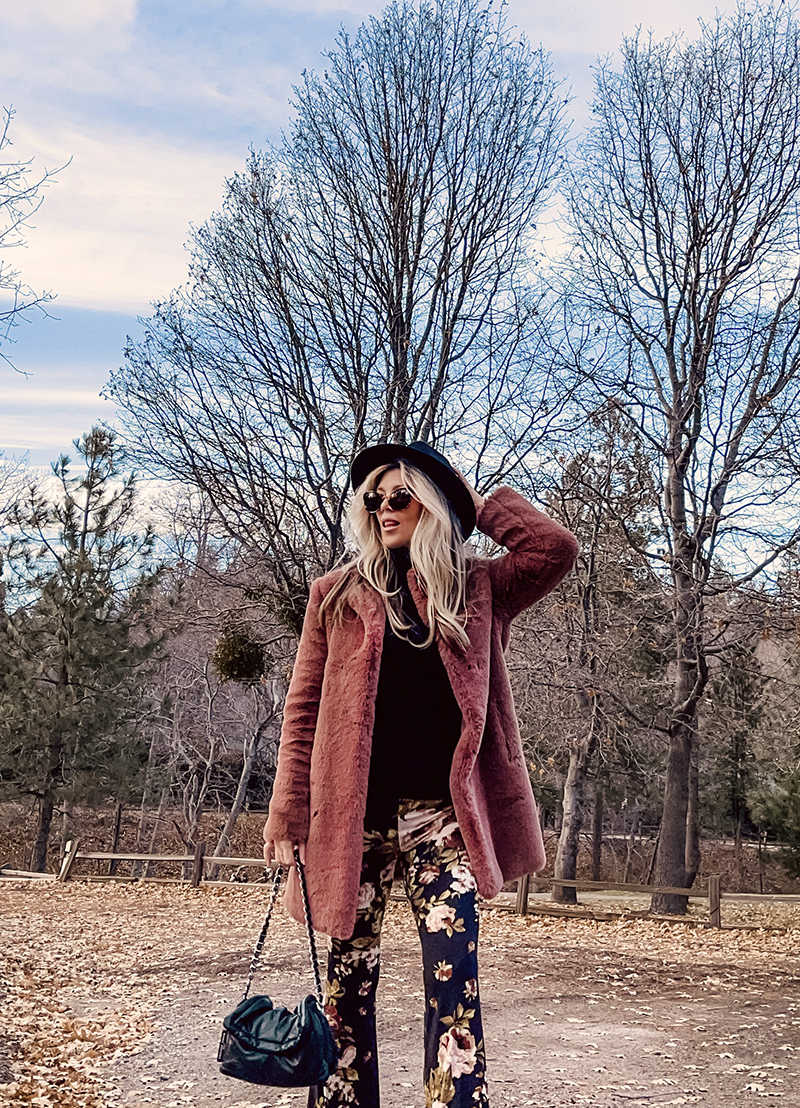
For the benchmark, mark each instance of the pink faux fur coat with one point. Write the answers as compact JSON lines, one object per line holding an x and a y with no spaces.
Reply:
{"x":323,"y":765}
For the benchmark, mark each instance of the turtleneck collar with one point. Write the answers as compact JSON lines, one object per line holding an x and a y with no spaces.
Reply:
{"x":401,"y":560}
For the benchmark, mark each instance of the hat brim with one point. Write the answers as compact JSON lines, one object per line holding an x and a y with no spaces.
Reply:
{"x":440,"y":472}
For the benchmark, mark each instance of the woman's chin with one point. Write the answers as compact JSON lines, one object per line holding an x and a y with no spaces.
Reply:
{"x":392,"y":540}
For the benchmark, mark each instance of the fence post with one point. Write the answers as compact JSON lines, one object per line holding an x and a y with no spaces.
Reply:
{"x":523,"y":884}
{"x":112,"y":865}
{"x":714,"y":909}
{"x":70,"y":850}
{"x":199,"y":860}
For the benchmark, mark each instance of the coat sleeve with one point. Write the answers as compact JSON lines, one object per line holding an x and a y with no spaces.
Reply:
{"x":540,"y":551}
{"x":289,"y":809}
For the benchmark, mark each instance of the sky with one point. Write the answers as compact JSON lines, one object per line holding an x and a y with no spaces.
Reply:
{"x":144,"y":107}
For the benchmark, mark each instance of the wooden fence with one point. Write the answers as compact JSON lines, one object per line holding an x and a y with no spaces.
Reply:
{"x":195,"y":864}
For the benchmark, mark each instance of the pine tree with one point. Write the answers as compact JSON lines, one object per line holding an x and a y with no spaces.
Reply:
{"x":74,"y":635}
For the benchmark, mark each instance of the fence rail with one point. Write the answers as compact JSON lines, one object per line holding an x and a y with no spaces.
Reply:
{"x":197,"y":861}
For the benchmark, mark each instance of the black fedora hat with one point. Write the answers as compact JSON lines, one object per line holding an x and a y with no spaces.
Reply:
{"x":431,"y":462}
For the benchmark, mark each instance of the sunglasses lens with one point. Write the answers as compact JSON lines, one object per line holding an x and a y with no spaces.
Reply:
{"x":372,"y":501}
{"x":400,"y":500}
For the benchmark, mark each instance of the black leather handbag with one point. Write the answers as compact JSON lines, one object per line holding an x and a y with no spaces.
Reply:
{"x":269,"y":1045}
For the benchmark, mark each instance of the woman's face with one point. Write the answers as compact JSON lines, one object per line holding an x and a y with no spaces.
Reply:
{"x":396,"y":527}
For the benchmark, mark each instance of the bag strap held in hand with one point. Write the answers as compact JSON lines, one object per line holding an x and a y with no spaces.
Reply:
{"x":312,"y":946}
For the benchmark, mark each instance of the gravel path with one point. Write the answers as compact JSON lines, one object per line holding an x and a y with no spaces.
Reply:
{"x":575,"y":1012}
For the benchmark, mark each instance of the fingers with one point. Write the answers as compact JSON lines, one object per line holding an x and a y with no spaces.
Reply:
{"x":281,"y":853}
{"x":477,"y":499}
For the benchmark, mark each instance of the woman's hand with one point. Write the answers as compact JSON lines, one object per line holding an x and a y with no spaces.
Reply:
{"x":281,"y":852}
{"x":477,"y":499}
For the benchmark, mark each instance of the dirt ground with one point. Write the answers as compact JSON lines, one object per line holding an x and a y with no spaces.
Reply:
{"x":113,"y":996}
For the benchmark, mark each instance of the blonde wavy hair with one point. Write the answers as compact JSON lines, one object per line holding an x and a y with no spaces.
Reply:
{"x":436,"y":551}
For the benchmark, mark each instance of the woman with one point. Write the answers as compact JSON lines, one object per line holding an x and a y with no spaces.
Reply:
{"x":400,"y":752}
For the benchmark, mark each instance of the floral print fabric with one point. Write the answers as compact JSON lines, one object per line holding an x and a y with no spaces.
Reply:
{"x":427,"y":845}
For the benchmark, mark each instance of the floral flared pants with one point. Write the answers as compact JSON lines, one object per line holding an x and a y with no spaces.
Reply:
{"x":427,"y":846}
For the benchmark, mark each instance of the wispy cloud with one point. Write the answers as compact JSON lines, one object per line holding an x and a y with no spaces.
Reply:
{"x":70,"y":14}
{"x":589,"y":28}
{"x":155,"y":106}
{"x":112,"y":228}
{"x":165,"y":68}
{"x":47,"y":45}
{"x":362,"y":8}
{"x":33,"y":397}
{"x":34,"y":434}
{"x":64,"y":361}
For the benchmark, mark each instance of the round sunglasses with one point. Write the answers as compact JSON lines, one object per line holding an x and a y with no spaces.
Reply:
{"x":398,"y":500}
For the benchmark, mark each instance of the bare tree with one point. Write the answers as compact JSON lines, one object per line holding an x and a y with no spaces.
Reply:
{"x":20,"y":197}
{"x":218,"y":693}
{"x":592,"y":689}
{"x":602,"y":495}
{"x":205,"y":740}
{"x":686,"y":216}
{"x":267,"y":697}
{"x":368,"y":281}
{"x":14,"y":478}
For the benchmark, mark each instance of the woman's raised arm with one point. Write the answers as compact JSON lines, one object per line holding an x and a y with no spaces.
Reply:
{"x":540,"y":551}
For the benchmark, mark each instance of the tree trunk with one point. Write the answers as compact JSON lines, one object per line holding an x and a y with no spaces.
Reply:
{"x":141,"y":830}
{"x":629,"y":849}
{"x":55,"y":752}
{"x":597,"y":828}
{"x":572,"y":819}
{"x":670,"y":867}
{"x":566,"y":863}
{"x":248,"y":762}
{"x":116,"y":827}
{"x":675,"y":844}
{"x":66,"y":832}
{"x":692,"y":860}
{"x":44,"y":823}
{"x":159,"y":818}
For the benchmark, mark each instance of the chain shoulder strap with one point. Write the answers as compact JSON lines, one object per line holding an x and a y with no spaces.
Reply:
{"x":273,"y":896}
{"x":312,"y":946}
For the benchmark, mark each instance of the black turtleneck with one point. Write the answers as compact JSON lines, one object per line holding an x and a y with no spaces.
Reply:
{"x":417,"y":718}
